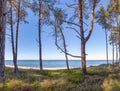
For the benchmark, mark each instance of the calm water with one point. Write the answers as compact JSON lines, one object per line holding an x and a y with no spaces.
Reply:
{"x":55,"y":63}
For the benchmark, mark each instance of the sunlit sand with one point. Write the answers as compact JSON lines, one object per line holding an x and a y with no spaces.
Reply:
{"x":36,"y":68}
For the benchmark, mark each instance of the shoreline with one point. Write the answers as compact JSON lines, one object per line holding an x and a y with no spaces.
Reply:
{"x":37,"y":68}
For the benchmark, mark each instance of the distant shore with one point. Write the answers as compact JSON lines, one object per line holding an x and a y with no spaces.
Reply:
{"x":36,"y":68}
{"x":52,"y":64}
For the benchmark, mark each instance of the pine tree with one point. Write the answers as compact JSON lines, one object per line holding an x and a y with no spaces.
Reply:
{"x":2,"y":37}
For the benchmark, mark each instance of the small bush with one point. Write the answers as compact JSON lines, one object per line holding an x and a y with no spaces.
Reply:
{"x":15,"y":85}
{"x":27,"y":87}
{"x":75,"y":79}
{"x":46,"y":83}
{"x":110,"y":84}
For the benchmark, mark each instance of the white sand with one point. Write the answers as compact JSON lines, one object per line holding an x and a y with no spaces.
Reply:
{"x":22,"y":67}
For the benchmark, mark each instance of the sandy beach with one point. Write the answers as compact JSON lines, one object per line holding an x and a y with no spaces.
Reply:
{"x":36,"y":68}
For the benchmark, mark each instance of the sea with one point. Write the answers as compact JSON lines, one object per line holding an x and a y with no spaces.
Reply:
{"x":55,"y":63}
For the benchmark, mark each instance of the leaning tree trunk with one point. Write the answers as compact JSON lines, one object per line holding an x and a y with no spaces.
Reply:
{"x":64,"y":44}
{"x":2,"y":37}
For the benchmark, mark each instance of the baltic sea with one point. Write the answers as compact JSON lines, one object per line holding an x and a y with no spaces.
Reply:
{"x":55,"y":63}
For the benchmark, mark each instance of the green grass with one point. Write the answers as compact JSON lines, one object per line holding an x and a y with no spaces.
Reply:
{"x":99,"y":78}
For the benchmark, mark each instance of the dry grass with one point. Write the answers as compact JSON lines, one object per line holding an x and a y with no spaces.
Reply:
{"x":99,"y":78}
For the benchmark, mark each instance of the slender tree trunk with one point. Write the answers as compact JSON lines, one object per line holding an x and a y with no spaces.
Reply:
{"x":116,"y":53}
{"x":106,"y":45}
{"x":113,"y":54}
{"x":2,"y":37}
{"x":64,"y":43}
{"x":12,"y":38}
{"x":118,"y":36}
{"x":119,"y":53}
{"x":84,"y":70}
{"x":83,"y":56}
{"x":119,"y":49}
{"x":16,"y":41}
{"x":39,"y":35}
{"x":63,"y":39}
{"x":118,"y":25}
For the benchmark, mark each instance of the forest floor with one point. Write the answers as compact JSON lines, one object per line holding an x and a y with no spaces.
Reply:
{"x":99,"y":78}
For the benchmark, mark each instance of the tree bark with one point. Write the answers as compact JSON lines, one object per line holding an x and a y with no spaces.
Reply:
{"x":113,"y":53}
{"x":118,"y":36}
{"x":119,"y":51}
{"x":64,"y":44}
{"x":84,"y":70}
{"x":39,"y":35}
{"x":12,"y":39}
{"x":83,"y":56}
{"x":119,"y":47}
{"x":15,"y":55}
{"x":83,"y":38}
{"x":118,"y":25}
{"x":2,"y":37}
{"x":106,"y":40}
{"x":116,"y":53}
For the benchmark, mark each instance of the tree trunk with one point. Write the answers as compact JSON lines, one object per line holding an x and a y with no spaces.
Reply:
{"x":15,"y":64}
{"x":119,"y":47}
{"x":12,"y":39}
{"x":118,"y":37}
{"x":119,"y":53}
{"x":116,"y":53}
{"x":16,"y":41}
{"x":83,"y":56}
{"x":83,"y":38}
{"x":39,"y":35}
{"x":64,"y":43}
{"x":84,"y":71}
{"x":106,"y":45}
{"x":2,"y":37}
{"x":113,"y":54}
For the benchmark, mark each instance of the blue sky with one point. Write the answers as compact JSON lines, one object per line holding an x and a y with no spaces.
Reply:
{"x":28,"y":46}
